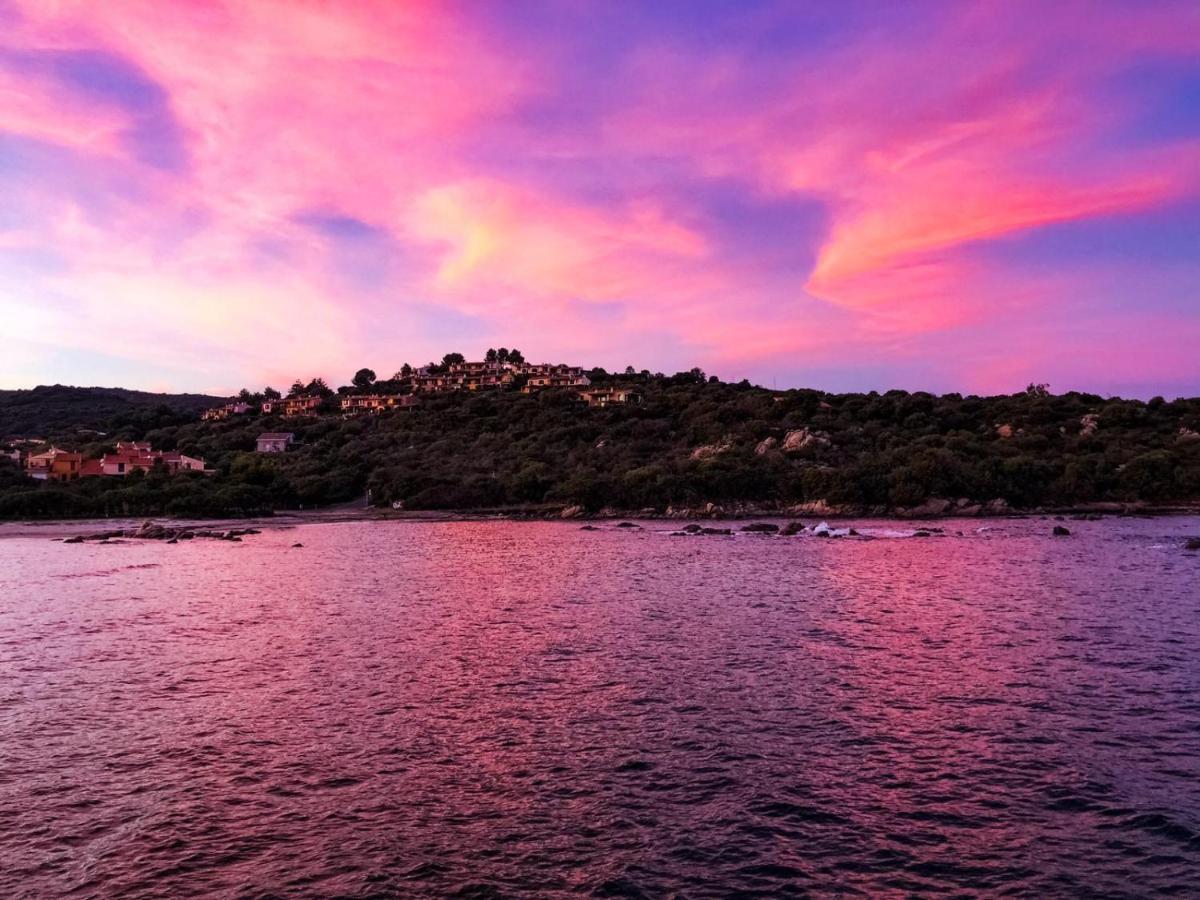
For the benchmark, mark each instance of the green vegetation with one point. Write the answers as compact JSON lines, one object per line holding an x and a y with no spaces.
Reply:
{"x":693,"y":440}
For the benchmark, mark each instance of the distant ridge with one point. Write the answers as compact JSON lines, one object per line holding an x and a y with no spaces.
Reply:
{"x":50,"y":409}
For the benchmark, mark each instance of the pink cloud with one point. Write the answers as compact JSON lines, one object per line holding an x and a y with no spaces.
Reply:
{"x":424,"y":124}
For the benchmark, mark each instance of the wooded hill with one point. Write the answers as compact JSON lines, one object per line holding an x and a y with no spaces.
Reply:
{"x":692,"y":441}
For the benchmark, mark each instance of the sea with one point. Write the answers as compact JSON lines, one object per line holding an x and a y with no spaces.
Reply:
{"x":531,"y":709}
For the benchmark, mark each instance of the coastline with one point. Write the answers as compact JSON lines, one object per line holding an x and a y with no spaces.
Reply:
{"x":64,"y":528}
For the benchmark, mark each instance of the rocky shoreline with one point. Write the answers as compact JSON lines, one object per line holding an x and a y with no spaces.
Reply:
{"x":102,"y":530}
{"x":935,"y":508}
{"x":152,"y":531}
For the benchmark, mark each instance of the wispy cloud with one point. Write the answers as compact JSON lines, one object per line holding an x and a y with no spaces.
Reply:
{"x":253,"y":189}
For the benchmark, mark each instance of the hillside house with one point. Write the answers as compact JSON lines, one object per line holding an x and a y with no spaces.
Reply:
{"x":467,"y":376}
{"x":353,"y":404}
{"x":610,"y":396}
{"x":54,"y":465}
{"x":274,"y":441}
{"x":480,"y":376}
{"x":217,"y":413}
{"x":303,"y":405}
{"x":545,"y":375}
{"x":131,"y":457}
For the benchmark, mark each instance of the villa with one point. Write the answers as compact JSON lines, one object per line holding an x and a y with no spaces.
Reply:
{"x":353,"y":404}
{"x":54,"y":465}
{"x":301,"y":405}
{"x":218,"y":413}
{"x":545,"y":375}
{"x":274,"y":441}
{"x":479,"y":376}
{"x":610,"y":396}
{"x":132,"y":456}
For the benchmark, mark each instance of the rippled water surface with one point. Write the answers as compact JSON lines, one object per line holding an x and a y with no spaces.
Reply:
{"x":495,"y":708}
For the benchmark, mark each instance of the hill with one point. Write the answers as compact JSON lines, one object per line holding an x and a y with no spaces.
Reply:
{"x":693,"y":441}
{"x":58,"y":410}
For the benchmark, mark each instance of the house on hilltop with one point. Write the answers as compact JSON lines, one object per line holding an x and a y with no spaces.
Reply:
{"x":545,"y":375}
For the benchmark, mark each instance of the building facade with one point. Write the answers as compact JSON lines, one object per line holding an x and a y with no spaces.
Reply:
{"x":274,"y":441}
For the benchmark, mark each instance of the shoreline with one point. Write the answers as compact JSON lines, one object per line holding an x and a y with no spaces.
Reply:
{"x":63,"y":528}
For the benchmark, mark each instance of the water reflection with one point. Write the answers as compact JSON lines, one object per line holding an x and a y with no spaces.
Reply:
{"x":527,"y":708}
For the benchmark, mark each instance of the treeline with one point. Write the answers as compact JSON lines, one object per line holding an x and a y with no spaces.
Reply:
{"x":54,"y":410}
{"x":692,"y":440}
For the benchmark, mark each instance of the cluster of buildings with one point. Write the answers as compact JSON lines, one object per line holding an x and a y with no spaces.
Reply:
{"x":53,"y":464}
{"x":218,"y":413}
{"x":464,"y":376}
{"x":477,"y":376}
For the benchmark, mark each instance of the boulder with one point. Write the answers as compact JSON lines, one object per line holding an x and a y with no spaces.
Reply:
{"x":1192,"y":544}
{"x":627,"y":525}
{"x":1088,"y":424}
{"x":297,"y":544}
{"x":792,"y":528}
{"x":588,"y":528}
{"x":710,"y":451}
{"x":1062,"y":531}
{"x":692,"y":529}
{"x":766,"y":446}
{"x":572,"y":512}
{"x":78,"y":539}
{"x":761,"y":528}
{"x":997,"y":507}
{"x":802,"y":438}
{"x":922,"y":533}
{"x":720,"y":531}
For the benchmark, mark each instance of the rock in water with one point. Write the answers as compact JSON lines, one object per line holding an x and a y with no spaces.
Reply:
{"x":761,"y":528}
{"x":627,"y":525}
{"x":588,"y":528}
{"x":691,"y":529}
{"x":792,"y":528}
{"x":1192,"y":544}
{"x":1061,"y":531}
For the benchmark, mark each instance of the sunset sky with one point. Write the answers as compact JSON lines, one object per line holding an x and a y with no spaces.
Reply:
{"x":850,"y":196}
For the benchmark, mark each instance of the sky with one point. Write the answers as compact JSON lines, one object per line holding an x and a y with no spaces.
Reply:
{"x":944,"y":196}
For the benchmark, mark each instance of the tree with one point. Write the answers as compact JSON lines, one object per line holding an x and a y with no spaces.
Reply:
{"x":317,"y":387}
{"x":269,"y":393}
{"x":1038,"y":390}
{"x":502,"y":355}
{"x":405,"y":372}
{"x":363,"y":378}
{"x":515,"y":356}
{"x":490,"y":356}
{"x":453,"y":359}
{"x":244,"y":395}
{"x":630,"y":371}
{"x":296,"y":389}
